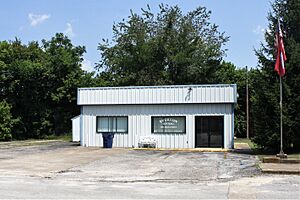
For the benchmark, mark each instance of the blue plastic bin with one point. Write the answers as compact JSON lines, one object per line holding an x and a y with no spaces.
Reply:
{"x":107,"y":140}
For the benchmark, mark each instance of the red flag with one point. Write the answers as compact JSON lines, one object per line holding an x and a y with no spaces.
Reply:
{"x":281,"y":57}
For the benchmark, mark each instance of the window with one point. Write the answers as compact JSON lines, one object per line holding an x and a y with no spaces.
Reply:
{"x":168,"y":124}
{"x":112,"y":124}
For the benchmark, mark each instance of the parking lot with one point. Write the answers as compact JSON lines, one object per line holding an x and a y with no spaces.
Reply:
{"x":64,"y":170}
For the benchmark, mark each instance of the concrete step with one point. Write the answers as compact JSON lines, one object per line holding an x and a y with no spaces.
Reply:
{"x":280,"y":168}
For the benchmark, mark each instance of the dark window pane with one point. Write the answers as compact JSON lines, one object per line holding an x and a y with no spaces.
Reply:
{"x":112,"y":124}
{"x":102,"y":124}
{"x":122,"y":124}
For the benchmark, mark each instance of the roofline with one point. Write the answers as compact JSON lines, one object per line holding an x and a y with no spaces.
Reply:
{"x":75,"y":117}
{"x":157,"y":86}
{"x":151,"y":104}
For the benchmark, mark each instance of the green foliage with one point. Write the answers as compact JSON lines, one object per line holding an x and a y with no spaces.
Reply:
{"x":6,"y":121}
{"x":63,"y":61}
{"x":164,"y":48}
{"x":227,"y":73}
{"x":40,"y":83}
{"x":266,"y":99}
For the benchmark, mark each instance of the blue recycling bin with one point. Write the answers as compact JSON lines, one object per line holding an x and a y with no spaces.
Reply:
{"x":107,"y":140}
{"x":104,"y":137}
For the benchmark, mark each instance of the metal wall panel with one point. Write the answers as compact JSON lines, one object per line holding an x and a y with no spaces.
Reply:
{"x":139,"y":123}
{"x":222,"y":93}
{"x":76,"y":129}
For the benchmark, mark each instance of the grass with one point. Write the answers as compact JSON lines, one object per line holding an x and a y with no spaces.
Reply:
{"x":33,"y":142}
{"x":66,"y":137}
{"x":263,"y":153}
{"x":245,"y":140}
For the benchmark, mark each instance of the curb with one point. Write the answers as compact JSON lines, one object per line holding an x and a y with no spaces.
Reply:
{"x":185,"y":150}
{"x":268,"y":171}
{"x":278,"y":160}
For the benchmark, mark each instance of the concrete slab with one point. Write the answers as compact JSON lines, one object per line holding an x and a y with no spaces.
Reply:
{"x":274,"y":159}
{"x":280,"y":168}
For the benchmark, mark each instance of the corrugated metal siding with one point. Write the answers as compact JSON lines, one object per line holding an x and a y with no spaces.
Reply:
{"x":158,"y":95}
{"x":139,"y":123}
{"x":76,"y":129}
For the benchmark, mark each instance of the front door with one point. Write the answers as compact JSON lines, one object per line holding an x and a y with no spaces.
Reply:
{"x":209,"y":131}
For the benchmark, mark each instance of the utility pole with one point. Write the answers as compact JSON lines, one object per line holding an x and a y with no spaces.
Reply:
{"x":247,"y":102}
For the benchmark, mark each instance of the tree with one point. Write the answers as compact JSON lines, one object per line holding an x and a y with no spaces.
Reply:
{"x":63,"y":62}
{"x":266,"y":103}
{"x":22,"y":78}
{"x":164,"y":48}
{"x":40,"y":83}
{"x":6,"y":121}
{"x":227,"y":73}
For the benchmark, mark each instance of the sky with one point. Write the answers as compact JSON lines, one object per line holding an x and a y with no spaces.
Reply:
{"x":86,"y":22}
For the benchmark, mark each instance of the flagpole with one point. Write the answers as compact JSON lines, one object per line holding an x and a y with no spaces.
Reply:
{"x":281,"y":153}
{"x":281,"y":136}
{"x":247,"y":102}
{"x":279,"y":67}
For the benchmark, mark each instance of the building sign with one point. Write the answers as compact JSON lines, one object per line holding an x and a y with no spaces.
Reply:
{"x":168,"y":124}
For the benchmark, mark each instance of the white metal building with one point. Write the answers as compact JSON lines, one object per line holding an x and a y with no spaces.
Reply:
{"x":176,"y":116}
{"x":76,"y":129}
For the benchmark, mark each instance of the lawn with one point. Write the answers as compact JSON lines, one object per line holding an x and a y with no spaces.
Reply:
{"x":65,"y":137}
{"x":34,"y":142}
{"x":263,"y":153}
{"x":245,"y":140}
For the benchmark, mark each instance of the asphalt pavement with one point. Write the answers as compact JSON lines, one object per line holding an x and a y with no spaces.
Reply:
{"x":63,"y":170}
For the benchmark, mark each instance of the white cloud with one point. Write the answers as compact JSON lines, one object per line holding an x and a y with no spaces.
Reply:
{"x":86,"y":65}
{"x":37,"y":19}
{"x":69,"y":30}
{"x":259,"y":30}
